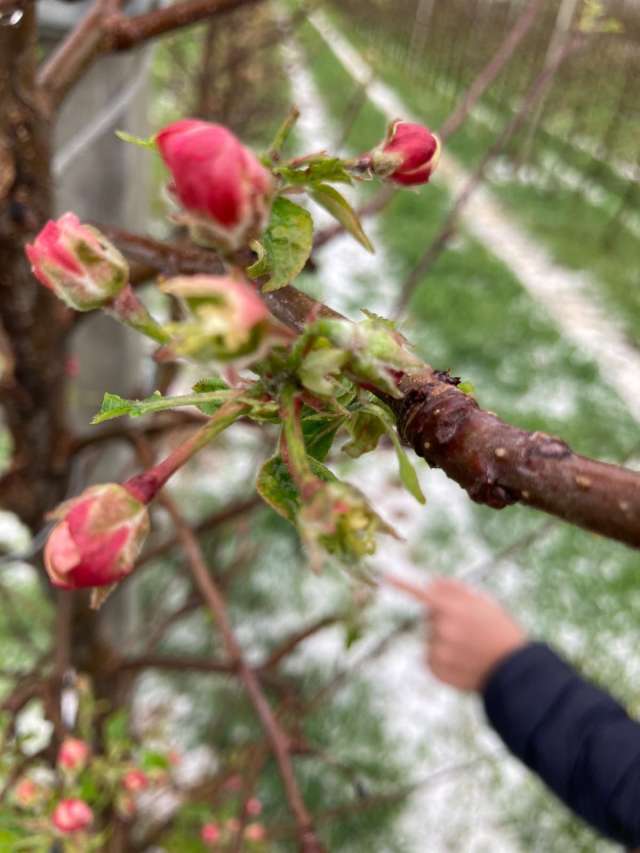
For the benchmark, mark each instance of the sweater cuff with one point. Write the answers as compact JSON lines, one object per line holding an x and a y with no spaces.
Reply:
{"x":521,"y":691}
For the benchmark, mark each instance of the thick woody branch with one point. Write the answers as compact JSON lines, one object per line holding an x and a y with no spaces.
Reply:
{"x":101,"y":31}
{"x":125,"y":33}
{"x":496,"y":463}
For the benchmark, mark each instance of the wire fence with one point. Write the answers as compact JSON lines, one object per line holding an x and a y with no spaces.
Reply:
{"x":585,"y":133}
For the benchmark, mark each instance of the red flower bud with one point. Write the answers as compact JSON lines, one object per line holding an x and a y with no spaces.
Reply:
{"x":72,"y":816}
{"x":210,"y":833}
{"x":222,"y":186}
{"x":78,"y":263}
{"x":135,"y":780}
{"x":73,"y":754}
{"x":98,"y":537}
{"x":228,"y":319}
{"x":408,"y":155}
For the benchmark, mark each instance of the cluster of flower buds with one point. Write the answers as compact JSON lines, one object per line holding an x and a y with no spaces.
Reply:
{"x":213,"y":834}
{"x":228,"y":321}
{"x":408,"y":155}
{"x":97,"y":539}
{"x":71,"y":816}
{"x":339,"y":520}
{"x":78,"y":263}
{"x":371,"y":352}
{"x":224,"y":191}
{"x":27,"y":793}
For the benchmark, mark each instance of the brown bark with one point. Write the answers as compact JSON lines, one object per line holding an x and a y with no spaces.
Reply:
{"x":32,"y":319}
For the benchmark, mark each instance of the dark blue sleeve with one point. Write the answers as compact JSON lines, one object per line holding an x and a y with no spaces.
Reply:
{"x":580,"y":741}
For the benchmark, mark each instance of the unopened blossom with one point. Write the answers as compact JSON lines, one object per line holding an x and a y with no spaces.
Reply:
{"x":228,"y":321}
{"x":223,"y":189}
{"x":339,"y":520}
{"x":408,"y":155}
{"x":255,"y":832}
{"x":26,"y":793}
{"x":210,"y":833}
{"x":135,"y":780}
{"x":72,"y":815}
{"x":73,"y":754}
{"x":78,"y":263}
{"x":97,"y":539}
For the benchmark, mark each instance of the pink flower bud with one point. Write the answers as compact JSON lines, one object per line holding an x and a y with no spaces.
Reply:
{"x":135,"y":781}
{"x":210,"y":833}
{"x":72,"y":816}
{"x":253,"y":807}
{"x":255,"y":832}
{"x":78,"y":263}
{"x":229,"y":320}
{"x":27,"y":793}
{"x":73,"y":754}
{"x":408,"y":155}
{"x":223,"y":188}
{"x":98,"y":537}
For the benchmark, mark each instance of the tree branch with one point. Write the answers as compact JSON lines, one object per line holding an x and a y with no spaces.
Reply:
{"x":497,"y":464}
{"x":278,"y":739}
{"x":101,"y":31}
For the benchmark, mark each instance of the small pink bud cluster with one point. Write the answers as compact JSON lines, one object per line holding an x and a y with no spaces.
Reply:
{"x":73,"y":755}
{"x":212,"y":833}
{"x":72,"y":815}
{"x":224,"y":190}
{"x":27,"y":793}
{"x":228,"y":320}
{"x":78,"y":263}
{"x":408,"y":155}
{"x":135,"y":781}
{"x":97,"y":539}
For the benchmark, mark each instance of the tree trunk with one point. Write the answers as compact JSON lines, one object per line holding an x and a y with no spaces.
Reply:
{"x":33,"y":321}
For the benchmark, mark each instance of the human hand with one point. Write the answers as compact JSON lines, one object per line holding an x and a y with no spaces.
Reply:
{"x":469,"y":632}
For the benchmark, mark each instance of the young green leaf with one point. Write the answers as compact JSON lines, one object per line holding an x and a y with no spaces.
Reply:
{"x":285,"y":246}
{"x":276,"y":487}
{"x":337,"y":205}
{"x":329,"y":169}
{"x":366,"y":431}
{"x":141,"y":142}
{"x":114,"y":406}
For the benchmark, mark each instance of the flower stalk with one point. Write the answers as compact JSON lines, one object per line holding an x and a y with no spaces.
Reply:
{"x":145,"y":486}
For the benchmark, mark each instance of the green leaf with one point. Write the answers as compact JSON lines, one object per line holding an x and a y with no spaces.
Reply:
{"x":152,"y":760}
{"x":276,"y":487}
{"x":114,"y":406}
{"x":337,"y":205}
{"x":329,"y":169}
{"x":319,"y":433}
{"x":406,"y":470}
{"x":285,"y":245}
{"x":141,"y":142}
{"x":116,"y":729}
{"x":466,"y":387}
{"x":210,"y":383}
{"x":366,"y":429}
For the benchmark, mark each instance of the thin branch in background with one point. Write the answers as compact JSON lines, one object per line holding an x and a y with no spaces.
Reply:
{"x":278,"y":739}
{"x":540,"y":85}
{"x":493,"y":68}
